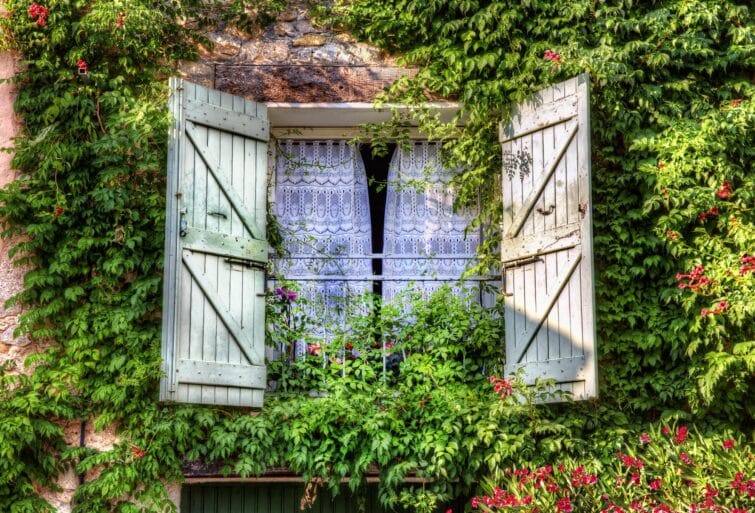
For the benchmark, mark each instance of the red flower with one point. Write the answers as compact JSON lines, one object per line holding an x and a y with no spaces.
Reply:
{"x":681,"y":435}
{"x":635,"y":479}
{"x":83,"y":67}
{"x":120,"y":21}
{"x":39,"y":12}
{"x":711,"y":212}
{"x":748,"y":264}
{"x":58,"y":212}
{"x":685,"y":458}
{"x":655,"y":485}
{"x":564,"y":505}
{"x":645,"y":438}
{"x":710,"y":492}
{"x":724,"y":191}
{"x":501,"y":386}
{"x":552,"y":56}
{"x":728,"y":444}
{"x":666,"y":430}
{"x":475,"y":502}
{"x":314,"y":349}
{"x":137,"y":452}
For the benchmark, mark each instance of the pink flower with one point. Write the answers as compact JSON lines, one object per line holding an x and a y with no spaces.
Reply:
{"x":285,"y":294}
{"x":724,"y":191}
{"x":666,"y":430}
{"x":635,"y":479}
{"x":314,"y":349}
{"x":655,"y":485}
{"x":685,"y":458}
{"x":728,"y":444}
{"x":681,"y":435}
{"x":564,"y":505}
{"x":552,"y":56}
{"x":475,"y":503}
{"x":645,"y":438}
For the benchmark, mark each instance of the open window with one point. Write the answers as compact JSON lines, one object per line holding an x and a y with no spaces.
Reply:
{"x":342,"y":238}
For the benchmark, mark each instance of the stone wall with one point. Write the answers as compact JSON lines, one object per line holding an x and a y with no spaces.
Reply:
{"x":294,"y":60}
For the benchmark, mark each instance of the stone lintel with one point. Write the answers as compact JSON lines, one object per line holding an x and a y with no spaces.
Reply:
{"x":307,"y":83}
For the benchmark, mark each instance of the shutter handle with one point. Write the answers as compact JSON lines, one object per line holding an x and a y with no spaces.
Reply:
{"x":546,"y":212}
{"x":183,"y":225}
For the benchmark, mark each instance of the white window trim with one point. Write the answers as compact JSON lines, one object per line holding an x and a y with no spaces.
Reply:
{"x":340,"y":120}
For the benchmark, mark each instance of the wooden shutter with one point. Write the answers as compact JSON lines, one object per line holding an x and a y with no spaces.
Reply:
{"x":215,"y":249}
{"x":547,"y":239}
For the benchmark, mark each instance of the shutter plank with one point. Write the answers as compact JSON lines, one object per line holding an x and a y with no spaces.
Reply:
{"x":218,"y":326}
{"x":547,"y":246}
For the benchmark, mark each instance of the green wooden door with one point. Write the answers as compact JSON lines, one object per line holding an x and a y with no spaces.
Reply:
{"x":272,"y":498}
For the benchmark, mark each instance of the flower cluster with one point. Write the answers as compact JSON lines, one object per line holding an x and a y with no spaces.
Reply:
{"x":718,"y":310}
{"x":725,"y":191}
{"x":285,"y":294}
{"x":630,"y":461}
{"x":501,"y":386}
{"x":552,"y":56}
{"x":681,"y":435}
{"x":708,"y":213}
{"x":748,"y":264}
{"x":40,"y":12}
{"x":662,"y":478}
{"x":696,"y":279}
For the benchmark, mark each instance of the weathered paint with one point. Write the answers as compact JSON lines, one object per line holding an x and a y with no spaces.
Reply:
{"x":546,"y":248}
{"x":213,"y":316}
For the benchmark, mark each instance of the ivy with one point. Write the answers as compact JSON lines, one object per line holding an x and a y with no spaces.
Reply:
{"x":672,"y":115}
{"x":670,"y":85}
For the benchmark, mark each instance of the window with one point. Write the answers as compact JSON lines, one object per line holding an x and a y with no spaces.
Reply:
{"x":352,"y":223}
{"x":216,"y":249}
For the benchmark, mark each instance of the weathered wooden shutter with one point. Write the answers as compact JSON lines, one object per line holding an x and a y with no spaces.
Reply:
{"x":547,"y":239}
{"x":215,"y":249}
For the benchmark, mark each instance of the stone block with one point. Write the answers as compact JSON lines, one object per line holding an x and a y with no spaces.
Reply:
{"x":307,"y":83}
{"x":310,"y":40}
{"x":285,"y":29}
{"x":264,"y":52}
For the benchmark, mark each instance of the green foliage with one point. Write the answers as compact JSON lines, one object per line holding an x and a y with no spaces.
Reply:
{"x":90,"y":207}
{"x":663,"y":470}
{"x":671,"y":82}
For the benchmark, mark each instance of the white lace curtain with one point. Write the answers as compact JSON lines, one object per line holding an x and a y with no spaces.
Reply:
{"x":425,"y":244}
{"x":322,"y":207}
{"x":323,"y":210}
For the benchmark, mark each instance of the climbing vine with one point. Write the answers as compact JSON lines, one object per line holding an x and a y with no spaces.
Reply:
{"x":672,"y":118}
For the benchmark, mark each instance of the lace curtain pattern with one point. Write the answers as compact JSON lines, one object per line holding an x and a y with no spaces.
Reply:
{"x":323,"y":210}
{"x":322,"y":207}
{"x":424,"y":238}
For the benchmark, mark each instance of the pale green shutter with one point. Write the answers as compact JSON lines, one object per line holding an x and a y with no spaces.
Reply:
{"x":215,"y":249}
{"x":547,"y":239}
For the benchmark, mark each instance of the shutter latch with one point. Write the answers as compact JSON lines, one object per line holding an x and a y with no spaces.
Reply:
{"x":245,"y":262}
